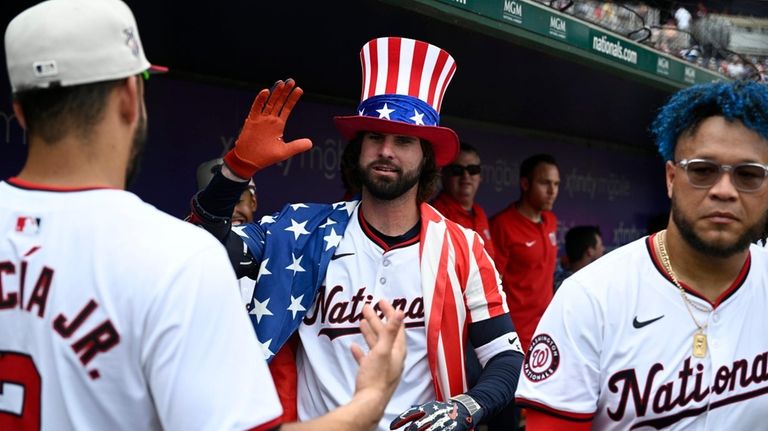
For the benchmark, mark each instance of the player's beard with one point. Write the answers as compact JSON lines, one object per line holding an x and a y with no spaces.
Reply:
{"x":710,"y":248}
{"x":385,"y":189}
{"x":137,"y":149}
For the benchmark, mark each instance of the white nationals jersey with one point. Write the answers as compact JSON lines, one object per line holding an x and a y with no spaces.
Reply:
{"x":116,"y":316}
{"x":361,"y":272}
{"x":615,"y":346}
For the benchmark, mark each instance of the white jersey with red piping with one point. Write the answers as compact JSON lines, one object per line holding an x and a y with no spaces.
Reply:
{"x":616,"y":347}
{"x":114,"y":315}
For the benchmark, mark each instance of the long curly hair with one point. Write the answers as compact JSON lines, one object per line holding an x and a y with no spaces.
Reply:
{"x":746,"y":101}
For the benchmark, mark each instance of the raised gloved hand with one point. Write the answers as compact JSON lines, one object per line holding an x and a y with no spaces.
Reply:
{"x":436,"y":416}
{"x":260,"y":143}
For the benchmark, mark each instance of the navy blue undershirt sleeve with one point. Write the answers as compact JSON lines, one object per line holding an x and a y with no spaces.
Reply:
{"x":498,"y":381}
{"x":485,"y":331}
{"x":221,"y":194}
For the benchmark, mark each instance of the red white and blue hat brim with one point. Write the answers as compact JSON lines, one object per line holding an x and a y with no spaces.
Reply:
{"x":444,"y":141}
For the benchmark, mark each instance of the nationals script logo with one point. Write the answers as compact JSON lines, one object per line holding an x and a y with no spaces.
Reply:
{"x":542,"y":359}
{"x":344,"y":316}
{"x":689,"y":395}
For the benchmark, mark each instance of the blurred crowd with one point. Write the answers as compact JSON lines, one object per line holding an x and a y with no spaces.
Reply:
{"x":699,"y":36}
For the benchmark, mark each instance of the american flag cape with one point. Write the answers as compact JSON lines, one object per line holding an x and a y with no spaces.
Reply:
{"x":294,"y":247}
{"x":458,"y":279}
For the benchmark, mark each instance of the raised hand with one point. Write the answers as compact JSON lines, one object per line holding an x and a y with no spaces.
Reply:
{"x":260,"y":143}
{"x":381,"y":367}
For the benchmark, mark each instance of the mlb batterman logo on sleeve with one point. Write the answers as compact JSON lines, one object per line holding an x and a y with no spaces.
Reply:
{"x":404,"y":81}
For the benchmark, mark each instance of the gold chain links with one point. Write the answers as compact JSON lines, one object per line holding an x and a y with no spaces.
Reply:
{"x":661,"y":239}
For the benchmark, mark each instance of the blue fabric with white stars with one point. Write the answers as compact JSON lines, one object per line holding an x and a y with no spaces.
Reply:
{"x":396,"y":107}
{"x":294,"y":247}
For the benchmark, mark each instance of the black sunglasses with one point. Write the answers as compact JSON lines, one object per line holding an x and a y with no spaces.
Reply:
{"x":455,"y":170}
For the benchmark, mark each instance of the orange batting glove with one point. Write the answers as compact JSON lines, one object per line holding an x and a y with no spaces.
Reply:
{"x":260,"y":143}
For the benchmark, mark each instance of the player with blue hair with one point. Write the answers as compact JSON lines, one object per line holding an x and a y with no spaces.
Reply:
{"x":745,"y":101}
{"x":666,"y":332}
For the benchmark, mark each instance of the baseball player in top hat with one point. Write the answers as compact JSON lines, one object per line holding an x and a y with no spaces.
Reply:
{"x":669,"y":331}
{"x":113,"y":315}
{"x":316,"y":264}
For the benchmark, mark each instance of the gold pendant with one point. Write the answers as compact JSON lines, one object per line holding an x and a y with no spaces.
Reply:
{"x":699,"y":344}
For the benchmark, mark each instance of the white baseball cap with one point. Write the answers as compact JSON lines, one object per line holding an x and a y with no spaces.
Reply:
{"x":73,"y":42}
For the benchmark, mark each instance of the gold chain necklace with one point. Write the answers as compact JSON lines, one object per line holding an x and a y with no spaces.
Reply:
{"x":700,"y":337}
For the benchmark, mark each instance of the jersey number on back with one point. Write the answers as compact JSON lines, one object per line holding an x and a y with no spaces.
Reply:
{"x":19,"y":392}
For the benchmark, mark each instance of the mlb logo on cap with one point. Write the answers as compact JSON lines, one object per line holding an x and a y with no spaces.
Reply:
{"x":46,"y":68}
{"x":404,"y":81}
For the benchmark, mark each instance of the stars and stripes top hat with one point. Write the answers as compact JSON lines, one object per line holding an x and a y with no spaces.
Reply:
{"x":404,"y":81}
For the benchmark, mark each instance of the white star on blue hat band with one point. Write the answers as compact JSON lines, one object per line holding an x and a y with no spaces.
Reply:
{"x":397,"y":107}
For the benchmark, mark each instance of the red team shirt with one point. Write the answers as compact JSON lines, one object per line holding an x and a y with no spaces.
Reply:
{"x":525,"y":256}
{"x":475,"y":219}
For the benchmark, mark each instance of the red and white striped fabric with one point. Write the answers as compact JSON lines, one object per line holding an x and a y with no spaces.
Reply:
{"x":454,"y":262}
{"x":403,"y":86}
{"x":395,"y":65}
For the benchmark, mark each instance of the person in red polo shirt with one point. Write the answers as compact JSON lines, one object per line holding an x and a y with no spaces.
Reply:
{"x":525,"y":237}
{"x":456,"y":201}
